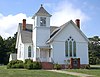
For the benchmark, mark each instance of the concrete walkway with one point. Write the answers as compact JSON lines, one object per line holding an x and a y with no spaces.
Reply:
{"x":72,"y":73}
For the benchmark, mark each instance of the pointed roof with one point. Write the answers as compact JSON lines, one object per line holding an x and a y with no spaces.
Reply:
{"x":58,"y":30}
{"x":41,"y":12}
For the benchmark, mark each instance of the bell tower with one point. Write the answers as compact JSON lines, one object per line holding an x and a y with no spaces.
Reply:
{"x":41,"y":30}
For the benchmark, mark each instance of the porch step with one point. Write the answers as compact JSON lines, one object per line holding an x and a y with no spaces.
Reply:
{"x":47,"y":65}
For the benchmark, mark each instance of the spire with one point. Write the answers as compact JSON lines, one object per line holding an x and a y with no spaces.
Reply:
{"x":42,"y":12}
{"x":41,"y":5}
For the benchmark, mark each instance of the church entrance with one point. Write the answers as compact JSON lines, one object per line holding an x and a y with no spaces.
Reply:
{"x":44,"y":54}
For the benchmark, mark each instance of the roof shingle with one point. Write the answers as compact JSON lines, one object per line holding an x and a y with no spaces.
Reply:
{"x":26,"y":35}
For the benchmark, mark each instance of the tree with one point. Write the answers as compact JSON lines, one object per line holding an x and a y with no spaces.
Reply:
{"x":3,"y":54}
{"x":94,"y":50}
{"x":7,"y":46}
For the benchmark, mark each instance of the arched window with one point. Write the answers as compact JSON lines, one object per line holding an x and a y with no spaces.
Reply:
{"x":74,"y":49}
{"x":66,"y":48}
{"x":29,"y":51}
{"x":70,"y":47}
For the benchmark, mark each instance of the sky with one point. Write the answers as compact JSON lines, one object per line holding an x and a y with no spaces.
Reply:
{"x":13,"y":12}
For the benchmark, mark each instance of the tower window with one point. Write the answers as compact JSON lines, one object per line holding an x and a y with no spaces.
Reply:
{"x":42,"y":21}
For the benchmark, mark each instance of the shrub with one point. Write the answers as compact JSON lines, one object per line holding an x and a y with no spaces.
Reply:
{"x":57,"y":66}
{"x":97,"y":61}
{"x":28,"y":61}
{"x":8,"y":65}
{"x":37,"y":65}
{"x":15,"y":64}
{"x":29,"y":64}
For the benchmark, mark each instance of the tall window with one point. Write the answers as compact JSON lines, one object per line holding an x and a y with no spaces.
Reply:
{"x":29,"y":51}
{"x":42,"y":21}
{"x":70,"y":47}
{"x":74,"y":49}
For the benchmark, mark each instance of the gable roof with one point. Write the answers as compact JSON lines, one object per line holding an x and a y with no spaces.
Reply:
{"x":26,"y":35}
{"x":58,"y":30}
{"x":41,"y":12}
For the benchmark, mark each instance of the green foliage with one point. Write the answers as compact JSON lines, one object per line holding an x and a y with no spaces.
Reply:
{"x":37,"y":65}
{"x":7,"y":46}
{"x":94,"y":50}
{"x":15,"y":64}
{"x":57,"y":66}
{"x":29,"y":64}
{"x":28,"y":61}
{"x":3,"y":52}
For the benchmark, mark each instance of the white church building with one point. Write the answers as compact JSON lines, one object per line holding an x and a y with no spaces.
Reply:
{"x":42,"y":42}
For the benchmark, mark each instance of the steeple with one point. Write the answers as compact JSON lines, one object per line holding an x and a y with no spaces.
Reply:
{"x":41,"y":12}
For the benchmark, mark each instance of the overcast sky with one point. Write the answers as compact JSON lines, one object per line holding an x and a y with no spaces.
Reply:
{"x":13,"y":11}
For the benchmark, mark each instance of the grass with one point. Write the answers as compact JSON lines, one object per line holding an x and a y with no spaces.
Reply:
{"x":29,"y":73}
{"x":95,"y":70}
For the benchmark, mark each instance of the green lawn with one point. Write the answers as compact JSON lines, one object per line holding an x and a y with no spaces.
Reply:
{"x":29,"y":73}
{"x":95,"y":70}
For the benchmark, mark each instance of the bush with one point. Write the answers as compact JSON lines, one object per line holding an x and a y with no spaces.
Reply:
{"x":97,"y":61}
{"x":15,"y":64}
{"x":57,"y":66}
{"x":37,"y":65}
{"x":28,"y":61}
{"x":29,"y":64}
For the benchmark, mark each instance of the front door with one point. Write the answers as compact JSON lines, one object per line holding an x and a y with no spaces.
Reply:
{"x":44,"y":55}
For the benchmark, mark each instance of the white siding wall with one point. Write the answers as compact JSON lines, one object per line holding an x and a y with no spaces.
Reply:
{"x":82,"y":52}
{"x":43,"y":33}
{"x":59,"y":45}
{"x":34,"y":43}
{"x":20,"y":50}
{"x":58,"y":52}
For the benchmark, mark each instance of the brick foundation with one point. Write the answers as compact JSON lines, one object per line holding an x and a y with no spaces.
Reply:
{"x":82,"y":66}
{"x":47,"y":65}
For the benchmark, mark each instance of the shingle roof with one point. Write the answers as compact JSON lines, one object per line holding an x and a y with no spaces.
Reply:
{"x":26,"y":35}
{"x":42,"y":12}
{"x":52,"y":28}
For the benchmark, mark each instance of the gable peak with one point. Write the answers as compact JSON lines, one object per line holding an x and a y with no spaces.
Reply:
{"x":41,"y":12}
